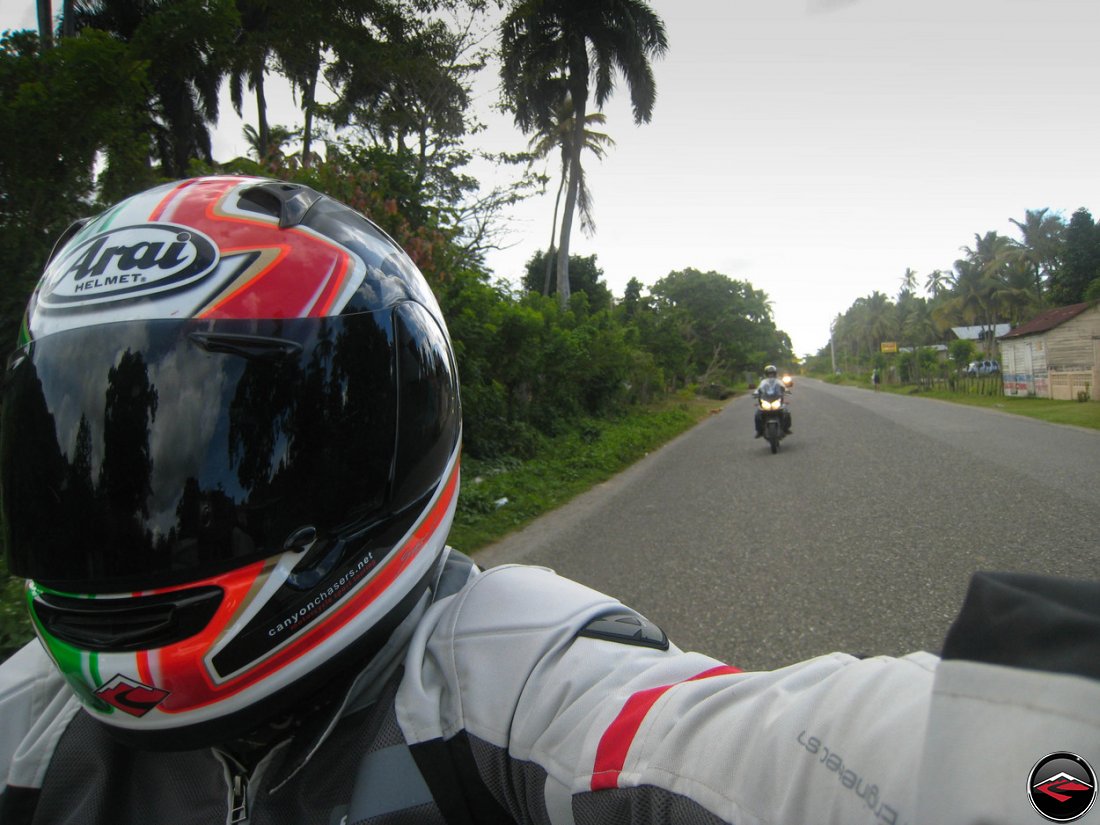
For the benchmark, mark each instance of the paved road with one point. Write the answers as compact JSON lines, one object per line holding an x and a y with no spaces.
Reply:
{"x":859,"y":536}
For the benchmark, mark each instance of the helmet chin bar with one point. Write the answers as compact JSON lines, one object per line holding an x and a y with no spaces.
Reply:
{"x":320,"y":685}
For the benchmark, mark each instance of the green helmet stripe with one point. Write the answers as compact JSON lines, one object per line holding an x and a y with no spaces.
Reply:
{"x":80,"y":669}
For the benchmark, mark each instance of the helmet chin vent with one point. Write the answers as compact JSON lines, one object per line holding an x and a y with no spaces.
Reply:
{"x":133,"y":623}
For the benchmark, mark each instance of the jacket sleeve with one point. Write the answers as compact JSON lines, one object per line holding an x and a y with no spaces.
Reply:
{"x":566,"y":727}
{"x":35,"y":707}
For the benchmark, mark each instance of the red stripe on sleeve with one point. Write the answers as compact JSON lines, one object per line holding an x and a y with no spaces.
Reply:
{"x":616,"y":740}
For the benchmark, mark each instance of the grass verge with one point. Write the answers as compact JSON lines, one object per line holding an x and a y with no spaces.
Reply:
{"x":1074,"y":413}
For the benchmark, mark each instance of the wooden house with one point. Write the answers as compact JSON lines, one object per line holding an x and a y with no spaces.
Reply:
{"x":1054,"y":355}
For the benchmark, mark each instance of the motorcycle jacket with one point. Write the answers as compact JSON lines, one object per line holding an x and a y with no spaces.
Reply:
{"x":770,"y":388}
{"x":514,"y":695}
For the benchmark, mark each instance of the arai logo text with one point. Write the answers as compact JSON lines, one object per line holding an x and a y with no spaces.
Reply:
{"x":128,"y":262}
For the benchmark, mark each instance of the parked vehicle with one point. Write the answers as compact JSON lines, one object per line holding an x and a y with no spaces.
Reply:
{"x":986,"y":367}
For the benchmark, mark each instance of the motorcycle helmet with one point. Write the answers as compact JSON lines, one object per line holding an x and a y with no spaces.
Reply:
{"x":229,"y":453}
{"x":770,"y":371}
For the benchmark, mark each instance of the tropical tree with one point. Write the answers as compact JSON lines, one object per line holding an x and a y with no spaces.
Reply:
{"x":585,"y":276}
{"x":1039,"y":247}
{"x":266,"y":147}
{"x":1081,"y":260}
{"x":404,"y":88}
{"x":919,"y":327}
{"x":909,"y":282}
{"x":255,"y":43}
{"x":405,"y":84}
{"x":64,"y":107}
{"x":554,"y":48}
{"x":937,"y":282}
{"x":559,"y":137}
{"x":724,"y":326}
{"x":986,"y":284}
{"x":186,"y":44}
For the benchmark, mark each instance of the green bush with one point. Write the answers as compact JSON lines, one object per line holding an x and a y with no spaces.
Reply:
{"x":15,"y":625}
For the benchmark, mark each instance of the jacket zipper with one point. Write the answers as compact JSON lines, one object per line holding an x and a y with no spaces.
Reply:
{"x":237,"y":783}
{"x":238,"y":798}
{"x":242,"y":784}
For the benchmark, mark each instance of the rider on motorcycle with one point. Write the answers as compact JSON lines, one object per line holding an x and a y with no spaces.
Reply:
{"x":771,"y":388}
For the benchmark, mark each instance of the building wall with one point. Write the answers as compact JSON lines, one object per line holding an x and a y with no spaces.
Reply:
{"x":1024,"y":366}
{"x":1058,"y":363}
{"x":1072,"y":356}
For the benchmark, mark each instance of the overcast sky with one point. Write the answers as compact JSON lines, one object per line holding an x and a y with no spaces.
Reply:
{"x":817,"y":148}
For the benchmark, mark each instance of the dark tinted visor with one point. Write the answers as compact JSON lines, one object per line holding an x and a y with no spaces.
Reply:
{"x":152,"y":453}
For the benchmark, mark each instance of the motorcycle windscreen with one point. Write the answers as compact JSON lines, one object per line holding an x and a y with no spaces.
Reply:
{"x":152,"y":453}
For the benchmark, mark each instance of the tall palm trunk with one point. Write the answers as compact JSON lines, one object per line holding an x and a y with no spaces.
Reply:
{"x":309,"y":98}
{"x":580,"y":101}
{"x":45,"y":23}
{"x":68,"y":23}
{"x":550,"y":255}
{"x":264,"y":131}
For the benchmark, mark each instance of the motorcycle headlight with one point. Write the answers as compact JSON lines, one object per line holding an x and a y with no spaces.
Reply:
{"x":765,"y":404}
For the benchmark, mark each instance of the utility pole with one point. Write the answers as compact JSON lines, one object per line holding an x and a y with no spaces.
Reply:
{"x":832,"y":345}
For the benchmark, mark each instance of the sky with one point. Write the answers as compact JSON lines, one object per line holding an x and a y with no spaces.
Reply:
{"x":818,"y":148}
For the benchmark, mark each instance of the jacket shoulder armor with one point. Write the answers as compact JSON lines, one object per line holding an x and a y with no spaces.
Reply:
{"x":626,"y":628}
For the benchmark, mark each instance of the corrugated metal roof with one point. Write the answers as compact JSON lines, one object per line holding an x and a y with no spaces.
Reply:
{"x":974,"y":332}
{"x":1047,"y":320}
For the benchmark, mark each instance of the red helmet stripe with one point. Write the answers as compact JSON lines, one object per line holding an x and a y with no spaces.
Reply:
{"x":286,"y":286}
{"x":159,"y":210}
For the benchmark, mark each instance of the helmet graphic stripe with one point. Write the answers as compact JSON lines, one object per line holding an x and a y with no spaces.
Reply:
{"x":308,"y":639}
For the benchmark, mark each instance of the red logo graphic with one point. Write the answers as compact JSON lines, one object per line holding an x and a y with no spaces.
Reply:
{"x":1062,"y":786}
{"x":131,"y":697}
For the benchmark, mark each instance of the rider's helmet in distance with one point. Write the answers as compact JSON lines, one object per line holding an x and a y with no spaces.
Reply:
{"x":228,"y":453}
{"x":770,"y":371}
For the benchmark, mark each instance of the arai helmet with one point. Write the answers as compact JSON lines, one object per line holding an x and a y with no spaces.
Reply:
{"x":770,"y":371}
{"x":228,"y":452}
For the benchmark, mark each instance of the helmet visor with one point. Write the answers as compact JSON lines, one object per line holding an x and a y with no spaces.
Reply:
{"x":144,"y":454}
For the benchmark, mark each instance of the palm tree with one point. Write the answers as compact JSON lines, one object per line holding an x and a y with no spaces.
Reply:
{"x":249,"y":60}
{"x":187,"y":60}
{"x":560,"y":136}
{"x":908,"y":281}
{"x":270,"y":148}
{"x":1039,"y":248}
{"x":306,"y":34}
{"x":936,"y":283}
{"x":551,"y":48}
{"x":881,"y":320}
{"x":44,"y":9}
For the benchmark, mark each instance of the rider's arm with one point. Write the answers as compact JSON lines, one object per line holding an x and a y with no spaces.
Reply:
{"x":596,"y":730}
{"x":563,"y":725}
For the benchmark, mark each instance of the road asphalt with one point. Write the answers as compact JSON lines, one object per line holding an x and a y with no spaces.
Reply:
{"x":859,"y":535}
